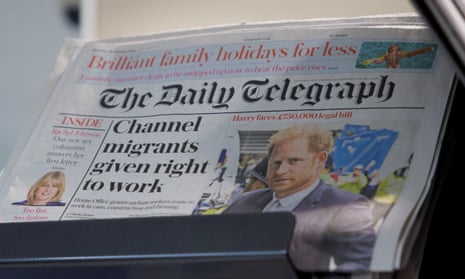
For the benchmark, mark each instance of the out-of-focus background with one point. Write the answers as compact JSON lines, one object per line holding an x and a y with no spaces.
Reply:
{"x":31,"y":35}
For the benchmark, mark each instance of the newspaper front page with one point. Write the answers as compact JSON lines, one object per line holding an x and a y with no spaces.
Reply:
{"x":179,"y":124}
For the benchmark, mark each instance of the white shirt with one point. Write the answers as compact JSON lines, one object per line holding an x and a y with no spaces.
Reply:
{"x":290,"y":202}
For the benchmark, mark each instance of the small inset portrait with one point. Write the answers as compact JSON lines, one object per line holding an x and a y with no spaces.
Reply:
{"x":47,"y":191}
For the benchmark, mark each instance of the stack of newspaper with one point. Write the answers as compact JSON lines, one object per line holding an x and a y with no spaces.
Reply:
{"x":179,"y":123}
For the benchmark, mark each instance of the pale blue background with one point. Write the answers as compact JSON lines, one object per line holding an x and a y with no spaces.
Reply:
{"x":31,"y":34}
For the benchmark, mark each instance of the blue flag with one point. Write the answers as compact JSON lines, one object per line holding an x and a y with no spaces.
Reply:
{"x":365,"y":147}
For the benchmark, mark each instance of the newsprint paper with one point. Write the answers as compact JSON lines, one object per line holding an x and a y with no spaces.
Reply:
{"x":179,"y":124}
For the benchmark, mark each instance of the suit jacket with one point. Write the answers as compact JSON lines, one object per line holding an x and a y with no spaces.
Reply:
{"x":330,"y":224}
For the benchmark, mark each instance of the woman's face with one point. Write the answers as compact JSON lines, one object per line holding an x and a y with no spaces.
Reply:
{"x":45,"y":192}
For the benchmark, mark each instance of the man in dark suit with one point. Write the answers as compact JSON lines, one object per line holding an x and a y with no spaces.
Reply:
{"x":334,"y":228}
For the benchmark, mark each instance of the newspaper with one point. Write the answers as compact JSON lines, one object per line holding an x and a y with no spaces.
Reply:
{"x":176,"y":123}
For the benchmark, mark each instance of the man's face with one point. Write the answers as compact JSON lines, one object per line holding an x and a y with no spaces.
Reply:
{"x":291,"y":167}
{"x":357,"y":172}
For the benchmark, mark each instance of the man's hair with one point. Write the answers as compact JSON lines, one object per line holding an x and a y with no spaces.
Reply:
{"x":318,"y":139}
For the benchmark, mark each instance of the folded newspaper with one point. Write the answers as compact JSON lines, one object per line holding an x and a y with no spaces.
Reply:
{"x":230,"y":119}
